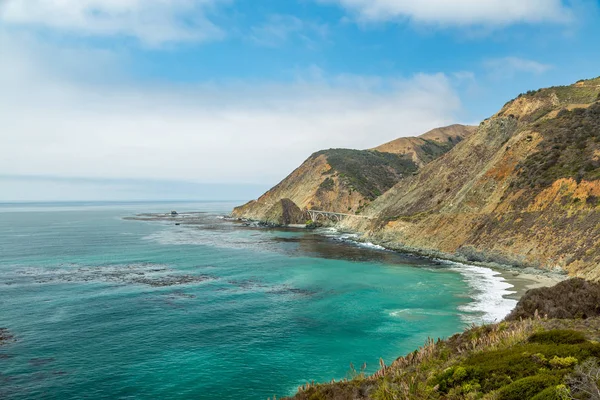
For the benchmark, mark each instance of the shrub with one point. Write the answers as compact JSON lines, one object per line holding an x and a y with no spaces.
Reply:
{"x":456,"y":377}
{"x":559,"y":392}
{"x":327,"y":185}
{"x":563,"y":362}
{"x":573,"y":298}
{"x":558,"y":336}
{"x":566,"y":151}
{"x":584,"y":381}
{"x":369,"y":172}
{"x":527,"y":388}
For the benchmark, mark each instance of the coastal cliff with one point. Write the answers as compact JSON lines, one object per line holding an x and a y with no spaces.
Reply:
{"x":347,"y":181}
{"x":522,"y":189}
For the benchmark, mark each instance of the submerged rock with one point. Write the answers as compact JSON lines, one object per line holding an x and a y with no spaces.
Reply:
{"x":5,"y":336}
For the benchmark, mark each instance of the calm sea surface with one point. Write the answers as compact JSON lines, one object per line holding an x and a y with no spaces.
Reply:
{"x":103,"y":307}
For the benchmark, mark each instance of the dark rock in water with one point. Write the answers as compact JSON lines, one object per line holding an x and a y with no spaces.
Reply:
{"x":313,"y":225}
{"x":285,"y":212}
{"x":137,"y":274}
{"x":170,"y":280}
{"x":177,"y":224}
{"x":573,"y":298}
{"x":5,"y":336}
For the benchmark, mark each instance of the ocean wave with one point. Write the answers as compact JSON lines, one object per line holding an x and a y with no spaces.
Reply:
{"x":488,"y":293}
{"x":371,"y":245}
{"x":352,"y":238}
{"x":416,"y":313}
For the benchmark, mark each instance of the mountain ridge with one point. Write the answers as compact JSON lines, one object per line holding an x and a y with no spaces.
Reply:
{"x":523,"y":189}
{"x":346,"y":181}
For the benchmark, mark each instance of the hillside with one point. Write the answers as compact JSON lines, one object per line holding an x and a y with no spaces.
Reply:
{"x":428,"y":146}
{"x":535,"y":356}
{"x":523,"y":189}
{"x":346,"y":181}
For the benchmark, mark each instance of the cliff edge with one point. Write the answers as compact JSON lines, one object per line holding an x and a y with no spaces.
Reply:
{"x":347,"y":181}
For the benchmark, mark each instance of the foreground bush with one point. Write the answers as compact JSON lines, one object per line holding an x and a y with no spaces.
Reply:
{"x":573,"y":298}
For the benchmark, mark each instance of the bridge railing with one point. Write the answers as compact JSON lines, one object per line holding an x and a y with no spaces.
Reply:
{"x":315,"y":214}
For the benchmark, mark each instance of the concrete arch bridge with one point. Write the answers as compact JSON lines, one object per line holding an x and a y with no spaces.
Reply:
{"x":316,"y":215}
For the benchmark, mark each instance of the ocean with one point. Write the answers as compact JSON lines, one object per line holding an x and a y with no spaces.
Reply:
{"x":106,"y":308}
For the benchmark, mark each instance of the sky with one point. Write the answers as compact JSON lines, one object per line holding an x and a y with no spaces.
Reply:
{"x":209,"y":99}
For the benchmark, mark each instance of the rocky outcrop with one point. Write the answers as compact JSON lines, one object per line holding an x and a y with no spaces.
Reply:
{"x":285,"y":212}
{"x":570,"y":299}
{"x":5,"y":336}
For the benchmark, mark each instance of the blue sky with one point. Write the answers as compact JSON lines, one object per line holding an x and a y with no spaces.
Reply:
{"x":240,"y":92}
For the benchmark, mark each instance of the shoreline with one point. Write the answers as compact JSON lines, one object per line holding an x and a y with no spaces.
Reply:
{"x":522,"y":278}
{"x":508,"y":283}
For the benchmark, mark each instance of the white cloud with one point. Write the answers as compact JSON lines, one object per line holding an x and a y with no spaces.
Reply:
{"x":153,"y":22}
{"x":507,"y":67}
{"x":278,"y":29}
{"x":458,"y":12}
{"x":60,"y":125}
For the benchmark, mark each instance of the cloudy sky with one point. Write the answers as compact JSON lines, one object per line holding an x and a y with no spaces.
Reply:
{"x":180,"y":99}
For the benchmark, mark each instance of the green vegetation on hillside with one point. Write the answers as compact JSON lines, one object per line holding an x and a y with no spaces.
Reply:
{"x":528,"y":358}
{"x":583,"y":92}
{"x":369,"y":172}
{"x":570,"y":149}
{"x":433,"y":149}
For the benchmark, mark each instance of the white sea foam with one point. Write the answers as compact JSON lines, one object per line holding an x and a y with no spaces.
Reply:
{"x":488,"y":291}
{"x":416,"y":313}
{"x":371,"y":245}
{"x":353,"y":238}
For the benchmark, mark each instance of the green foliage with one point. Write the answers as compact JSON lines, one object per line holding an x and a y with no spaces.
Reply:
{"x":369,"y":172}
{"x":576,"y":95}
{"x":552,"y":393}
{"x":558,"y":336}
{"x":433,"y":149}
{"x":562,"y":362}
{"x":567,"y":150}
{"x":541,"y":362}
{"x":528,"y":387}
{"x":584,"y":94}
{"x":455,"y":377}
{"x":327,"y":185}
{"x":385,"y":391}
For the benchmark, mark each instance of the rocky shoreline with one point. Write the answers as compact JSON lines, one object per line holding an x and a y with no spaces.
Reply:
{"x":522,"y":277}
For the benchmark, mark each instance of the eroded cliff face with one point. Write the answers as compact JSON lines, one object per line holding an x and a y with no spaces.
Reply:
{"x":347,"y":181}
{"x":522,"y":190}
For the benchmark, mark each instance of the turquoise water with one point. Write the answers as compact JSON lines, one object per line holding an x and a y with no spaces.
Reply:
{"x":103,"y":307}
